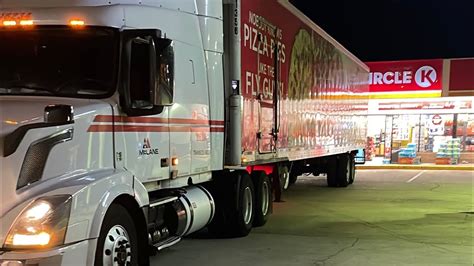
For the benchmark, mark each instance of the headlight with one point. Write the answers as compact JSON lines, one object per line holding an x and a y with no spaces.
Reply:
{"x":42,"y":223}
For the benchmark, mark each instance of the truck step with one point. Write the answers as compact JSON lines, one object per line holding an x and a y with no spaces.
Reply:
{"x":167,"y":243}
{"x":163,"y":201}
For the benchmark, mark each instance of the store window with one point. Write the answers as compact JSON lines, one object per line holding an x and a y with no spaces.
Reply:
{"x":465,"y":131}
{"x":421,"y":138}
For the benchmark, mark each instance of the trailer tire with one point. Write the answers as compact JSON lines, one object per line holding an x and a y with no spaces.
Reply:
{"x":284,"y":176}
{"x":263,"y":198}
{"x":332,"y":172}
{"x":117,"y":239}
{"x":344,"y":170}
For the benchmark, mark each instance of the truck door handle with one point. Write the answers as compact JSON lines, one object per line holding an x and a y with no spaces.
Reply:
{"x":192,"y":68}
{"x":165,"y":162}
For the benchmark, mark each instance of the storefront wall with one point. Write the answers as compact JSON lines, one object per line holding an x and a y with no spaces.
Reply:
{"x":413,"y":119}
{"x":388,"y":135}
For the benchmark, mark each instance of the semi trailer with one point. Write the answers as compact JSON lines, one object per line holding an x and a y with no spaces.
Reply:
{"x":126,"y":125}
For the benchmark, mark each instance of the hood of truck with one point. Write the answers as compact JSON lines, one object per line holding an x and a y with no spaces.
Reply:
{"x":85,"y":151}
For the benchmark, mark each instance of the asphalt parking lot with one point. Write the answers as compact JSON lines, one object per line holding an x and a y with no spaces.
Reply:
{"x":388,"y":217}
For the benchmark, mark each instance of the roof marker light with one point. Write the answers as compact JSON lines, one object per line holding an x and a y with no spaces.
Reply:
{"x":9,"y":23}
{"x":76,"y":23}
{"x":26,"y":22}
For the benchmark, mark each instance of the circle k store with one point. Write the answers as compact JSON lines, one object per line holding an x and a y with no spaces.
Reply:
{"x":421,"y":111}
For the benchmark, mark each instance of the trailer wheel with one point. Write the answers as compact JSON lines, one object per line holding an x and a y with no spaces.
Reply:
{"x":280,"y":181}
{"x":332,"y":172}
{"x":117,"y":243}
{"x":344,"y":171}
{"x":285,"y":176}
{"x":263,"y":198}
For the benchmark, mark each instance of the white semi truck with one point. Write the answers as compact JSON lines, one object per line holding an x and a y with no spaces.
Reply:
{"x":128,"y":124}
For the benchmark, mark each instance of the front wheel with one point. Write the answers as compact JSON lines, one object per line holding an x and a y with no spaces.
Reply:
{"x":117,"y":243}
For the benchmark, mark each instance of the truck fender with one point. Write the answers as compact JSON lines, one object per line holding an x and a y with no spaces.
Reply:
{"x":140,"y":192}
{"x":123,"y":185}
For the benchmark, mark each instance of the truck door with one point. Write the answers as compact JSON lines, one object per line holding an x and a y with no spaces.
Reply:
{"x":268,"y":111}
{"x":142,"y":129}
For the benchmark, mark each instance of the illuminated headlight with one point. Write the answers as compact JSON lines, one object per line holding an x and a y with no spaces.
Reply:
{"x":42,"y":223}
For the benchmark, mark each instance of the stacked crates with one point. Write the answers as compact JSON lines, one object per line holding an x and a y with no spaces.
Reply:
{"x":408,"y":155}
{"x":449,"y":152}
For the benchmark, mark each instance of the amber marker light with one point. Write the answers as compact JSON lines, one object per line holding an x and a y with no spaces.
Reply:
{"x":174,"y":161}
{"x":77,"y":23}
{"x":11,"y":122}
{"x":26,"y":22}
{"x":9,"y":23}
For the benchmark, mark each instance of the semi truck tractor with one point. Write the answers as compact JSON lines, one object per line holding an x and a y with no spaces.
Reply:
{"x":126,"y":125}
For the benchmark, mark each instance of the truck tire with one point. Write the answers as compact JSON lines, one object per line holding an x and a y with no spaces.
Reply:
{"x":244,"y":214}
{"x":235,"y":200}
{"x":263,"y":198}
{"x":117,"y":243}
{"x":332,"y":172}
{"x":344,"y":170}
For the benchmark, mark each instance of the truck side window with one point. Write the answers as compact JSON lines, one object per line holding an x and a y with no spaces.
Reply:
{"x":165,"y":72}
{"x":140,"y":87}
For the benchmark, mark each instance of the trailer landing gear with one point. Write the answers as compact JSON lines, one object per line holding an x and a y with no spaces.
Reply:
{"x":281,"y":181}
{"x":340,"y":170}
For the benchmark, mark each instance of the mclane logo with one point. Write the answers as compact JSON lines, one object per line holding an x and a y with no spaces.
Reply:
{"x":146,"y":149}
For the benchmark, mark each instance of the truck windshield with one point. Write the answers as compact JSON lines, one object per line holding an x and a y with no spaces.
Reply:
{"x":59,"y":61}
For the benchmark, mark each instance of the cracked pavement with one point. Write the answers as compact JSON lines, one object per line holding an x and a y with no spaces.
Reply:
{"x":380,"y":220}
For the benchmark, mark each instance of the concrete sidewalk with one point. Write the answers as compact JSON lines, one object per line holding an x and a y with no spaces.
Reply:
{"x":423,"y":166}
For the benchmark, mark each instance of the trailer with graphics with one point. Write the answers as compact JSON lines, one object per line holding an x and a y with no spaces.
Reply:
{"x":126,"y":125}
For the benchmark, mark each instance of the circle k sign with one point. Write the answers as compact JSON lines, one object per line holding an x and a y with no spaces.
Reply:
{"x":426,"y":76}
{"x":406,"y":75}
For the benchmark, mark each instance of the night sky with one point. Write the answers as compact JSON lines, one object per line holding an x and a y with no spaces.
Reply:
{"x":397,"y":29}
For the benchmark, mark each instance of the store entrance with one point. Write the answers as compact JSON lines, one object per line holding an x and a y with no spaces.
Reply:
{"x":420,"y":138}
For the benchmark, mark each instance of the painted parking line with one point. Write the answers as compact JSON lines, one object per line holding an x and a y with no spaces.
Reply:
{"x":416,"y":176}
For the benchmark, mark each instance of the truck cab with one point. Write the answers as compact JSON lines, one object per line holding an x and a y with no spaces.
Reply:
{"x":107,"y":108}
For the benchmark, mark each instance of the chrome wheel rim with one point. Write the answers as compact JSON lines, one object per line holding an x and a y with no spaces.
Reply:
{"x":248,"y":205}
{"x":117,"y":249}
{"x":265,"y":198}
